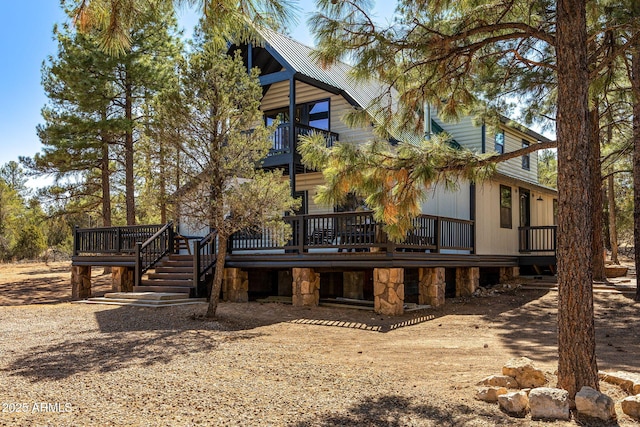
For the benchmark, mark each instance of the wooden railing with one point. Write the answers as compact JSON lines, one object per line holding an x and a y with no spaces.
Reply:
{"x":204,"y":260}
{"x":148,"y":253}
{"x":111,"y":240}
{"x":281,"y":137}
{"x":537,"y":239}
{"x":349,"y":231}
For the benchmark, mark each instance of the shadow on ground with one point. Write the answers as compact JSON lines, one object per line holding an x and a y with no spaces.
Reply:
{"x":397,"y":411}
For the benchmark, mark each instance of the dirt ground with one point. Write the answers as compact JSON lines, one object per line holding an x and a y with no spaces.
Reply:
{"x":274,"y":364}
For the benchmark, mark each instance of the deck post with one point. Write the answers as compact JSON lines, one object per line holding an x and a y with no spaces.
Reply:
{"x":432,"y":286}
{"x":305,"y":287}
{"x":467,"y":281}
{"x":388,"y":291}
{"x":509,"y":273}
{"x":80,"y":282}
{"x":235,"y":285}
{"x":122,"y":279}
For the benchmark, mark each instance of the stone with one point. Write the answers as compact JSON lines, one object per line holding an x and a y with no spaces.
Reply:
{"x":509,"y":273}
{"x":396,"y":275}
{"x":236,"y":285}
{"x":549,"y":403}
{"x":515,"y":402}
{"x":122,"y":279}
{"x":305,"y":287}
{"x":431,"y":286}
{"x":467,"y":281}
{"x":388,"y":295}
{"x":490,"y":394}
{"x":383,"y":275}
{"x":627,"y":381}
{"x":592,"y":403}
{"x":525,"y":373}
{"x":631,"y":406}
{"x":80,"y":282}
{"x":500,"y":381}
{"x":399,"y":290}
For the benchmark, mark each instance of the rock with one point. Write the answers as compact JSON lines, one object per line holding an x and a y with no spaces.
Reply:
{"x":631,"y":406}
{"x":499,"y":381}
{"x":515,"y":403}
{"x":490,"y":394}
{"x":549,"y":403}
{"x":625,"y":380}
{"x":592,"y":403}
{"x":527,"y":375}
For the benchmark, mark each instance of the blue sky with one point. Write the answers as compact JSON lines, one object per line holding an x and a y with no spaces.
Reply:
{"x":25,"y":42}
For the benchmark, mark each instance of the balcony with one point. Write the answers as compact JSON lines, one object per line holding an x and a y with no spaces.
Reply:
{"x":281,"y":137}
{"x":537,"y":239}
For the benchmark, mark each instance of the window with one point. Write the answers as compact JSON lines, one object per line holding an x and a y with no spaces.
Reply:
{"x":314,"y":114}
{"x":499,"y":142}
{"x":525,"y":158}
{"x":505,"y":206}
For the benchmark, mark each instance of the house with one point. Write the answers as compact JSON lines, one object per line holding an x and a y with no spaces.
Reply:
{"x":480,"y":233}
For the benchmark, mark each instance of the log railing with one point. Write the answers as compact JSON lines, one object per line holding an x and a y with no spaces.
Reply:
{"x":358,"y":231}
{"x":537,"y":239}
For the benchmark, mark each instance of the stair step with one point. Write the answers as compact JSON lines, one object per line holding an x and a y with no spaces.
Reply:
{"x":167,"y":282}
{"x":179,"y":257}
{"x":175,"y":264}
{"x":163,"y":269}
{"x":164,"y":296}
{"x":170,"y":276}
{"x":172,"y":289}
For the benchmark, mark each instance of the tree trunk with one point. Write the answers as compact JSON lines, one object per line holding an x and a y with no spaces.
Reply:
{"x":577,"y":365}
{"x":129,"y":186}
{"x":106,"y":188}
{"x":613,"y":231}
{"x":218,"y":275}
{"x":163,"y":184}
{"x":635,"y":84}
{"x":597,"y":244}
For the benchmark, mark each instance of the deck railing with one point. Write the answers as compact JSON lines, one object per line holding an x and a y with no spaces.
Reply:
{"x":112,"y":240}
{"x":349,"y":231}
{"x":537,"y":239}
{"x":281,"y":137}
{"x":149,"y":252}
{"x":204,"y":260}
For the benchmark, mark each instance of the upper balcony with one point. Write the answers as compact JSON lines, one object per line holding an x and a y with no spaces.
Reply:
{"x":282,"y":145}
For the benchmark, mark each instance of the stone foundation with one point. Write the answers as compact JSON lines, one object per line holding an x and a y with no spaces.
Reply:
{"x":353,"y":284}
{"x":467,"y":281}
{"x":122,"y":279}
{"x":431,"y":286}
{"x":388,"y":291}
{"x":235,"y":285}
{"x":509,"y":273}
{"x":80,"y":282}
{"x":306,"y":287}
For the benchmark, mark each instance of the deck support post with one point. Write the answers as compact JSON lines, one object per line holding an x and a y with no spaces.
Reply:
{"x":388,"y":291}
{"x":467,"y":281}
{"x":432,"y":286}
{"x":122,"y":279}
{"x":509,"y":273}
{"x":306,"y":287}
{"x":80,"y":282}
{"x":235,"y":285}
{"x":353,"y":284}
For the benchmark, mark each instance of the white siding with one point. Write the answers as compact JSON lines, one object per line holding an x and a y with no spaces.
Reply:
{"x":464,"y":132}
{"x":491,"y":239}
{"x":278,"y":97}
{"x":452,"y":204}
{"x":513,"y":167}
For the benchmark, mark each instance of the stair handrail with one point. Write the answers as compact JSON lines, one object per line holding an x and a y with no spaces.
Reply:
{"x":147,"y":253}
{"x":205,"y":250}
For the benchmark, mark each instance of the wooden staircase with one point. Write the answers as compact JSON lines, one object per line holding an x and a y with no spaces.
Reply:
{"x":173,"y":273}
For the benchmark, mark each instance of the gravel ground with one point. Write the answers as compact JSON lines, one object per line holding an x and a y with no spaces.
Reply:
{"x":276,"y":365}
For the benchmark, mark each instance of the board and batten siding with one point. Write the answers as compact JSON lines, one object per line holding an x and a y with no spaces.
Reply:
{"x":278,"y":97}
{"x":491,"y":239}
{"x":453,"y":204}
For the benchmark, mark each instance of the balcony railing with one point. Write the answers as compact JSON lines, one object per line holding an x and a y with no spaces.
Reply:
{"x":358,"y":231}
{"x":281,"y":137}
{"x":537,"y":239}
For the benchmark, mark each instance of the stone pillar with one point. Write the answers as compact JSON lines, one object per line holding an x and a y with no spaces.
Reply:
{"x":353,"y":284}
{"x":306,"y":287}
{"x":509,"y":273}
{"x":388,"y":291}
{"x":80,"y":282}
{"x":235,"y":285}
{"x":431,"y":286}
{"x":467,"y":281}
{"x":122,"y":279}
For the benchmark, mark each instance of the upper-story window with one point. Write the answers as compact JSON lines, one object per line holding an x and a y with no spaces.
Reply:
{"x":499,"y":142}
{"x":314,"y":114}
{"x":526,"y":160}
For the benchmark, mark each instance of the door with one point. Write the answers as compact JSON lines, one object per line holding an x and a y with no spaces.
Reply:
{"x":525,"y":208}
